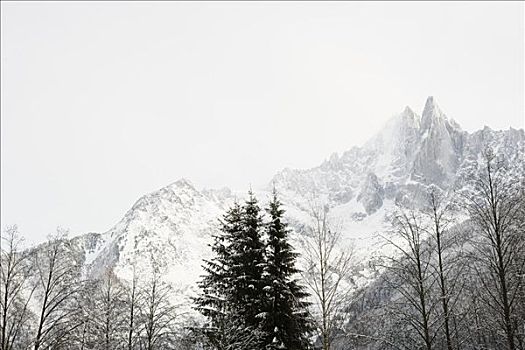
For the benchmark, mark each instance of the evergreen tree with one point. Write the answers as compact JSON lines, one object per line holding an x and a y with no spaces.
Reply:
{"x":216,"y":285}
{"x":286,"y":323}
{"x":247,"y":264}
{"x":249,"y":294}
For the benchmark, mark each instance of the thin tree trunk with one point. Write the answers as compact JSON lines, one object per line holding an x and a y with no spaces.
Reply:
{"x":422,"y":298}
{"x":501,"y":268}
{"x":441,"y":272}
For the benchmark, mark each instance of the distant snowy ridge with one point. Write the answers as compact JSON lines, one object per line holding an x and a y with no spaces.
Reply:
{"x":173,"y":226}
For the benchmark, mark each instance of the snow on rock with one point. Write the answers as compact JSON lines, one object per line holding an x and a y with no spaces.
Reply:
{"x":372,"y":194}
{"x":440,"y":147}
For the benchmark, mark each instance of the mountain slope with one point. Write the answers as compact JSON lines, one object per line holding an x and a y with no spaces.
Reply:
{"x":173,"y":226}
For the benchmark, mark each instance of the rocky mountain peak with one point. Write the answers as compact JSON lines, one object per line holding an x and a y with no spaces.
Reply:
{"x":183,"y":184}
{"x":409,"y":115}
{"x":432,"y":114}
{"x":332,"y":163}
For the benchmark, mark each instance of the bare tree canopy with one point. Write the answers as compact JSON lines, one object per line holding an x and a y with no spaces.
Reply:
{"x":327,"y":273}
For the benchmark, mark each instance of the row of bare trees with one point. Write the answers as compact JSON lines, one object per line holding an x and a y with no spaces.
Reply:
{"x":425,"y":274}
{"x":47,"y":302}
{"x":455,"y":278}
{"x":496,"y":206}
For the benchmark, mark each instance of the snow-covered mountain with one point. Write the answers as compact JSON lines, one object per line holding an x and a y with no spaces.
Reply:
{"x":173,"y":226}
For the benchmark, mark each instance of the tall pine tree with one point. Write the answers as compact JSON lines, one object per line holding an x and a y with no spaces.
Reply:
{"x":247,"y":264}
{"x":286,"y":323}
{"x":232,"y":295}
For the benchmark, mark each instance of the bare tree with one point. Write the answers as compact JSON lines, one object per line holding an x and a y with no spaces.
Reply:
{"x":83,"y":337}
{"x":108,"y":314}
{"x":327,"y":270}
{"x":448,"y":264}
{"x":409,"y":273}
{"x":15,"y":290}
{"x":133,"y":302}
{"x":57,"y":275}
{"x":158,"y":313}
{"x":495,"y":204}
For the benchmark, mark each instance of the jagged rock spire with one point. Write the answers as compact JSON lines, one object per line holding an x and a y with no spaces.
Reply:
{"x":431,"y":114}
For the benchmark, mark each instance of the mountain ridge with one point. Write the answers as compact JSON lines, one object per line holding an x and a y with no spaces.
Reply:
{"x":172,"y":226}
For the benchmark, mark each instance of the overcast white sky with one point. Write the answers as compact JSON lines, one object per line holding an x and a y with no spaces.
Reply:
{"x":103,"y":102}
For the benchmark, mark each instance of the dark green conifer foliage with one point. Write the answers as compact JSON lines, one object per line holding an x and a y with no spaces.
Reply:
{"x":247,"y":264}
{"x":217,"y":285}
{"x":249,"y":291}
{"x":286,"y":321}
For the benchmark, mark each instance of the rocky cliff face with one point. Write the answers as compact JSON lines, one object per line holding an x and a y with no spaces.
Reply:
{"x":173,"y":226}
{"x":372,"y":194}
{"x":440,"y":147}
{"x":408,"y":154}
